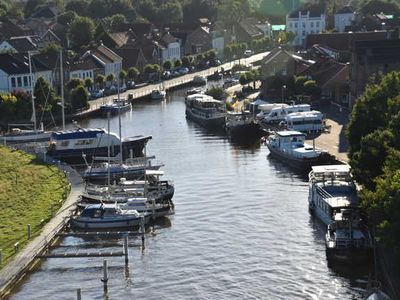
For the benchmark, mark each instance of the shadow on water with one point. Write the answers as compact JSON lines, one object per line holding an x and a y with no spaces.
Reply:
{"x":283,"y":168}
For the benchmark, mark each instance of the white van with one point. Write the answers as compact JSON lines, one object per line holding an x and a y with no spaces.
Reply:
{"x":307,"y":122}
{"x":278,"y":114}
{"x":266,"y":108}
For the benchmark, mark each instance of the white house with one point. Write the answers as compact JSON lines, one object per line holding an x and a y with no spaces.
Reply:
{"x":306,"y":21}
{"x":344,"y":17}
{"x":170,"y":47}
{"x":15,"y":73}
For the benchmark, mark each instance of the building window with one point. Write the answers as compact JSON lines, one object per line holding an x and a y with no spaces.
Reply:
{"x":295,"y":25}
{"x":304,"y":33}
{"x":304,"y":24}
{"x":290,"y":25}
{"x":312,"y":24}
{"x":19,"y":81}
{"x":25,"y":80}
{"x":13,"y":82}
{"x":317,"y":24}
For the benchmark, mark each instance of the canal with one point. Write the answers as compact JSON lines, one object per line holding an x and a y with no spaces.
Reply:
{"x":241,"y":230}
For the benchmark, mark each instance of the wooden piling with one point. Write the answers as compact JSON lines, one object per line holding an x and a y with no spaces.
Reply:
{"x":29,"y":231}
{"x":105,"y":275}
{"x":126,"y":249}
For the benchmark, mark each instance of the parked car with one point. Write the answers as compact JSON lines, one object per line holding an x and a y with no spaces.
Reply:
{"x":248,"y":52}
{"x":130,"y":84}
{"x":183,"y":70}
{"x":97,"y":93}
{"x":215,"y":63}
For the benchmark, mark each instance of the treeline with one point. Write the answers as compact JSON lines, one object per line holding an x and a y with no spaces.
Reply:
{"x":374,"y":140}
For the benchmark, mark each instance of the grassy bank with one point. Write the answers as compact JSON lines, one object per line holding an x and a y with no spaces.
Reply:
{"x":29,"y":192}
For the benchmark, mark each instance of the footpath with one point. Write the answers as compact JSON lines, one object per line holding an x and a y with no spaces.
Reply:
{"x":16,"y":269}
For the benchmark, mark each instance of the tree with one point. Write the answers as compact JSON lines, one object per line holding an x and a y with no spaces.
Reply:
{"x":311,"y":88}
{"x":186,"y":61}
{"x":243,"y":79}
{"x":228,"y":52}
{"x":167,"y":65}
{"x":66,"y":18}
{"x":374,"y":6}
{"x":199,"y":58}
{"x":110,"y":78}
{"x":31,"y":6}
{"x":100,"y":80}
{"x":121,"y":77}
{"x":77,"y":6}
{"x":8,"y":104}
{"x":217,"y":93}
{"x":132,"y":73}
{"x":79,"y":98}
{"x":170,"y":12}
{"x":178,"y":63}
{"x":115,"y":22}
{"x":73,"y":83}
{"x":88,"y":83}
{"x":211,"y":54}
{"x":45,"y":97}
{"x":81,"y":32}
{"x":299,"y":84}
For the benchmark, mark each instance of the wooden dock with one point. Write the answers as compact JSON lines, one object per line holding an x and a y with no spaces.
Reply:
{"x":82,"y":254}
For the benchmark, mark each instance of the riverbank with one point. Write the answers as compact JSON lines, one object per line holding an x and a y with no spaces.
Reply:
{"x":33,"y":193}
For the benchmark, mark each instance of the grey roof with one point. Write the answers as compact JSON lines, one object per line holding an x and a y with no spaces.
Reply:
{"x":346,"y":10}
{"x":11,"y":65}
{"x":22,"y":44}
{"x":315,"y":10}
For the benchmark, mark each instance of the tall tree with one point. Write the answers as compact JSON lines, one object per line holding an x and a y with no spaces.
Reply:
{"x":45,"y":96}
{"x":77,"y":6}
{"x":81,"y":32}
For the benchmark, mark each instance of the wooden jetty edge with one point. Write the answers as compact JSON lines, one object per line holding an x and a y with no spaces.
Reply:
{"x":14,"y":271}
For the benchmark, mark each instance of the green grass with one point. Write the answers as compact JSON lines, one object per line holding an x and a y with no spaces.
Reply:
{"x":28,"y":190}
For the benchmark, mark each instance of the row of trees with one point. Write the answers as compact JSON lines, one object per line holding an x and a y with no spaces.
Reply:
{"x":374,"y":139}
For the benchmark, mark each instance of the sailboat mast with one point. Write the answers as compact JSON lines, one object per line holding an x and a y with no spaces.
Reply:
{"x":119,"y":122}
{"x":32,"y":88}
{"x":108,"y":149}
{"x":62,"y":90}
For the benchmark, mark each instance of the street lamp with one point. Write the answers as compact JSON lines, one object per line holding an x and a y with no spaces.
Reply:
{"x":283,"y":91}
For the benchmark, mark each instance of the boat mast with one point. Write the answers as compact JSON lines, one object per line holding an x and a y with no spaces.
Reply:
{"x":62,"y":90}
{"x":108,"y":150}
{"x":119,"y":123}
{"x":32,"y":88}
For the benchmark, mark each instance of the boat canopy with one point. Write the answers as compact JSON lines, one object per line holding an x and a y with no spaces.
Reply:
{"x":331,"y":169}
{"x":289,"y":133}
{"x":79,"y":133}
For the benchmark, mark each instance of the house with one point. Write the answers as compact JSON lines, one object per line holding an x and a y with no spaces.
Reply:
{"x":15,"y":72}
{"x":132,"y":57}
{"x":11,"y":28}
{"x":111,"y":62}
{"x":22,"y":44}
{"x":372,"y":58}
{"x":343,"y":41}
{"x":48,"y":11}
{"x":170,"y":47}
{"x":306,"y":21}
{"x":282,"y":64}
{"x":40,"y":26}
{"x":86,"y":67}
{"x":198,"y":41}
{"x":344,"y":17}
{"x":247,"y":31}
{"x":50,"y":38}
{"x":332,"y":77}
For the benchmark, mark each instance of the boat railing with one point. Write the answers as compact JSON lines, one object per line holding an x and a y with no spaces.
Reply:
{"x":324,"y":194}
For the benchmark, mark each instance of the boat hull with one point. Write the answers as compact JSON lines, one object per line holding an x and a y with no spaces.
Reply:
{"x":349,"y":254}
{"x":103,"y":223}
{"x":245,"y":130}
{"x":302,"y":164}
{"x":25,"y":138}
{"x":78,"y":156}
{"x":207,"y":122}
{"x":113,"y":110}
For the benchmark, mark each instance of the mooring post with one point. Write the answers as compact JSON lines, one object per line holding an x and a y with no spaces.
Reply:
{"x":142,"y":229}
{"x":29,"y":231}
{"x":126,"y":249}
{"x":78,"y":294}
{"x":105,"y":275}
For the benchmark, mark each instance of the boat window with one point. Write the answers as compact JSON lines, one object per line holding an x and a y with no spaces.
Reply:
{"x":97,"y":213}
{"x":64,"y":143}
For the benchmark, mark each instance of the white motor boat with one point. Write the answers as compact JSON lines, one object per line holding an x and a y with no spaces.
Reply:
{"x":158,"y":95}
{"x":331,"y":188}
{"x":109,"y":216}
{"x":290,"y":148}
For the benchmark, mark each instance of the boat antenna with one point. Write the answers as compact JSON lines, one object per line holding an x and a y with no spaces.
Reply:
{"x":32,"y":88}
{"x":62,"y":89}
{"x":119,"y":122}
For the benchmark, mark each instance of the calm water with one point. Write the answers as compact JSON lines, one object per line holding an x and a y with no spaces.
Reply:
{"x":241,"y":229}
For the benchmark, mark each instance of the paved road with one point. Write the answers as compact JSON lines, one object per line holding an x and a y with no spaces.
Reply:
{"x":146,"y":90}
